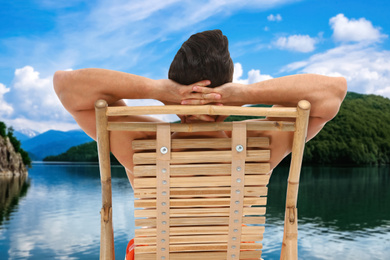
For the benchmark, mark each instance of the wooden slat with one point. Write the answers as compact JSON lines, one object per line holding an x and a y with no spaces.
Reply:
{"x":197,"y":247}
{"x":202,"y":157}
{"x":203,"y":109}
{"x":196,"y":239}
{"x":163,"y":139}
{"x":253,"y":220}
{"x":199,"y":230}
{"x":256,"y":254}
{"x":151,"y":222}
{"x":201,"y":169}
{"x":189,"y":212}
{"x":239,"y":138}
{"x":220,"y":143}
{"x":202,"y":202}
{"x":201,"y":127}
{"x":207,"y":181}
{"x":201,"y":192}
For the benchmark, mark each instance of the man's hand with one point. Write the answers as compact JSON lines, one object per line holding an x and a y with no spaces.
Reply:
{"x":175,"y":93}
{"x":227,"y":94}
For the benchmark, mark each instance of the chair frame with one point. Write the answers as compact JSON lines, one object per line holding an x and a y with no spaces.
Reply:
{"x":300,"y":114}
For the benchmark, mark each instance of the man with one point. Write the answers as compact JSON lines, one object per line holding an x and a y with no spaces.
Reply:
{"x":201,"y":73}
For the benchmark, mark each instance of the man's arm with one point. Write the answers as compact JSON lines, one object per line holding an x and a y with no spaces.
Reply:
{"x":78,"y":91}
{"x":324,"y":93}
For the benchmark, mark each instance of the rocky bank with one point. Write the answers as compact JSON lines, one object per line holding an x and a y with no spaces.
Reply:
{"x":11,"y":163}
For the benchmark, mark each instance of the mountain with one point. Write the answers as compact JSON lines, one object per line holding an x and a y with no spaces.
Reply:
{"x":359,"y":134}
{"x":53,"y":142}
{"x":81,"y":153}
{"x":25,"y":134}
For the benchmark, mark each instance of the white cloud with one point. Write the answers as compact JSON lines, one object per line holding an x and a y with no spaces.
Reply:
{"x":366,"y":69}
{"x":34,"y":97}
{"x":352,"y":30}
{"x":274,"y":18}
{"x":363,"y":64}
{"x":118,"y":34}
{"x":253,"y":75}
{"x":32,"y":103}
{"x":298,"y":43}
{"x":110,"y":34}
{"x":384,"y":91}
{"x":40,"y":126}
{"x":5,"y":108}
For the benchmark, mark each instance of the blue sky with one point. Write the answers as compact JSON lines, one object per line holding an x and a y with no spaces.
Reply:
{"x":268,"y":39}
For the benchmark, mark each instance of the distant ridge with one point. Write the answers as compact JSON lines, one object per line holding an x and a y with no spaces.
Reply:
{"x":25,"y":134}
{"x":53,"y":142}
{"x":359,"y":134}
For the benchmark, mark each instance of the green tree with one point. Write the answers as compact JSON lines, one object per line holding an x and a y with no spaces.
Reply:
{"x":3,"y":129}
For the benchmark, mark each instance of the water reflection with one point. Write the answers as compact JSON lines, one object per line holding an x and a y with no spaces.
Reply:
{"x":59,"y":218}
{"x":12,"y":188}
{"x":343,"y":213}
{"x":344,"y":199}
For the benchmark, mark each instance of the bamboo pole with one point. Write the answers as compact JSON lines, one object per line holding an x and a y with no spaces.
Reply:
{"x":290,"y":237}
{"x":204,"y":255}
{"x":202,"y":127}
{"x":198,"y":230}
{"x":200,"y":169}
{"x":220,"y":143}
{"x":107,"y":233}
{"x":195,"y":247}
{"x":196,"y":212}
{"x":203,"y":109}
{"x":202,"y":157}
{"x":188,"y":192}
{"x":189,"y":239}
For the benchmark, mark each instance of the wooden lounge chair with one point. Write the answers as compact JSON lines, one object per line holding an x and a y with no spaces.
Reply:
{"x":201,"y":198}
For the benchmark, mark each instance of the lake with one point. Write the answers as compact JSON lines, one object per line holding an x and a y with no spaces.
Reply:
{"x":344,"y":213}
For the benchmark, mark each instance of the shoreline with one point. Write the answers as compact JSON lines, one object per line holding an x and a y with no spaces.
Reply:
{"x":11,"y":174}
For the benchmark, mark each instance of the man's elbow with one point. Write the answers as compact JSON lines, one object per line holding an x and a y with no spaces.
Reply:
{"x":338,"y":94}
{"x":62,"y":83}
{"x":341,"y":86}
{"x":58,"y":81}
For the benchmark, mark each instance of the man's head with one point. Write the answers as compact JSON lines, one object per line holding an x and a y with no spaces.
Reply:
{"x":203,"y":56}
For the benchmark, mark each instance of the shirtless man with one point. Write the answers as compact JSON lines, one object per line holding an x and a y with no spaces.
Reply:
{"x":201,"y":73}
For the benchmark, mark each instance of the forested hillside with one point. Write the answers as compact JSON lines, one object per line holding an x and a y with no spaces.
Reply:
{"x":359,"y":134}
{"x":81,"y":153}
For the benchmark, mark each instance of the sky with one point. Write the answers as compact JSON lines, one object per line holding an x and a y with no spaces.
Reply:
{"x":267,"y":39}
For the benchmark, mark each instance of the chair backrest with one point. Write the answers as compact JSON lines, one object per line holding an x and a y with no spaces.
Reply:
{"x":201,"y":198}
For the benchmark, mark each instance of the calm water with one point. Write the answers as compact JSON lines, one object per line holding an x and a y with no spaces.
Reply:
{"x":344,"y":213}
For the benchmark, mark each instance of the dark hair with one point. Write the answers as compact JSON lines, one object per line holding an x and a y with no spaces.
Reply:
{"x":203,"y":56}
